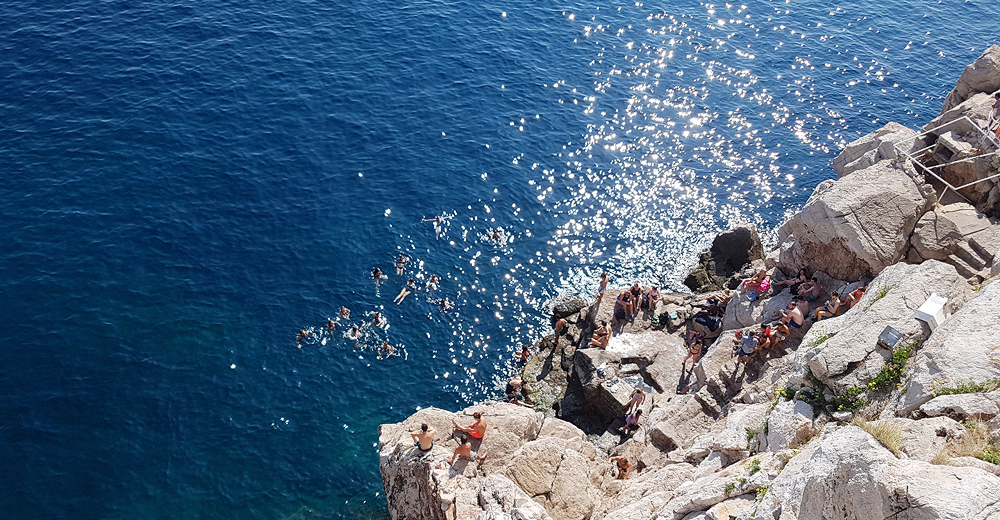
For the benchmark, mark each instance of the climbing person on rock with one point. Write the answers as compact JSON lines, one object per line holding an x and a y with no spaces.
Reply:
{"x":635,"y":400}
{"x":631,"y":422}
{"x":622,"y":467}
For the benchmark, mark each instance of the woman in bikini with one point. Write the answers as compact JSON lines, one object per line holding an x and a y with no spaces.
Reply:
{"x":829,"y":309}
{"x":475,"y":430}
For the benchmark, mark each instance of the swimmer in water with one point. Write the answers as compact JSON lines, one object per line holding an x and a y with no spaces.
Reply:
{"x":401,"y":264}
{"x":377,"y":319}
{"x":410,"y":286}
{"x":432,"y":284}
{"x":330,"y":324}
{"x":445,"y":304}
{"x":376,"y":274}
{"x":345,"y":313}
{"x":386,"y":350}
{"x":304,"y":334}
{"x":354,"y":333}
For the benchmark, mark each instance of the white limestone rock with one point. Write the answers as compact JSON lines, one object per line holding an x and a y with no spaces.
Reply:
{"x":789,"y":425}
{"x":983,"y":75}
{"x":961,"y":406}
{"x":498,"y":496}
{"x":848,"y":474}
{"x":874,"y":147}
{"x":963,"y":348}
{"x":842,"y":352}
{"x":924,"y":439}
{"x":853,"y":227}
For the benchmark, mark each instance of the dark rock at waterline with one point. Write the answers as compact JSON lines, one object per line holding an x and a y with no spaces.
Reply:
{"x":566,"y":306}
{"x":730,"y":252}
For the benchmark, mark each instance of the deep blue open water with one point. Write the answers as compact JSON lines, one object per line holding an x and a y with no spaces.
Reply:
{"x":185,"y":186}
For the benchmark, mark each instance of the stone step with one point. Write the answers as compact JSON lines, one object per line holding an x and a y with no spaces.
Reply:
{"x":964,"y":269}
{"x":981,"y":250}
{"x":970,"y":256}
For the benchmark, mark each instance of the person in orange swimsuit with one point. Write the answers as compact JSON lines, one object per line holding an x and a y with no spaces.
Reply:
{"x":475,"y":430}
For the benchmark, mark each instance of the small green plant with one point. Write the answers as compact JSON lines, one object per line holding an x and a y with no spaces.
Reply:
{"x":786,"y":393}
{"x":818,"y":339}
{"x":971,"y":387}
{"x":751,"y":434}
{"x":991,"y":454}
{"x":730,"y":487}
{"x":893,"y":369}
{"x":849,"y":400}
{"x":767,"y":423}
{"x":878,"y":294}
{"x":754,"y":465}
{"x":761,"y":491}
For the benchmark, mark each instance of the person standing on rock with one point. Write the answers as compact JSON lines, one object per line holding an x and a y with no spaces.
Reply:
{"x":423,"y":438}
{"x":475,"y":430}
{"x":635,"y":401}
{"x":603,"y":287}
{"x":631,"y":422}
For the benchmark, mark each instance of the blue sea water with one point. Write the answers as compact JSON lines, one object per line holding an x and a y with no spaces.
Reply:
{"x":186,"y":186}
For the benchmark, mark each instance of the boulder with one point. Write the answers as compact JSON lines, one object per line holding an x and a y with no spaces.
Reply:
{"x":983,"y":75}
{"x":961,"y":407}
{"x":842,"y":352}
{"x":962,"y":349}
{"x":874,"y":147}
{"x":518,"y":442}
{"x":848,"y":474}
{"x":729,"y":436}
{"x":676,"y":426}
{"x":924,"y":439}
{"x":855,"y":226}
{"x":789,"y":425}
{"x":644,"y":494}
{"x":567,"y":305}
{"x":731,"y":251}
{"x":499,"y":496}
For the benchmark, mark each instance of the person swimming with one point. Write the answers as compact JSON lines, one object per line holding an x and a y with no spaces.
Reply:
{"x":345,"y":313}
{"x":354,"y":334}
{"x":407,"y":289}
{"x":444,"y":304}
{"x":401,"y":264}
{"x":432,"y":284}
{"x":330,"y":324}
{"x":385,"y":350}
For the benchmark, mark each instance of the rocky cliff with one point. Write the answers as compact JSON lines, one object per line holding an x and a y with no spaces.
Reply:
{"x":887,"y":410}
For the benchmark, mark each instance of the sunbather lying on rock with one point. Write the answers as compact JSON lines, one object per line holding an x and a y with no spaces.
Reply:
{"x":800,"y":278}
{"x":758,"y":283}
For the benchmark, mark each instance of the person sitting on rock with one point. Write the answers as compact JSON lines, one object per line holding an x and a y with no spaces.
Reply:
{"x":779,"y":331}
{"x":476,"y":430}
{"x":523,"y":356}
{"x":561,"y":327}
{"x":627,"y":304}
{"x":423,"y":438}
{"x":465,"y":451}
{"x":829,"y":309}
{"x":622,"y":467}
{"x":636,"y":299}
{"x":763,"y":340}
{"x":793,"y":282}
{"x":855,"y":296}
{"x":635,"y":400}
{"x":516,"y":393}
{"x":793,"y":316}
{"x":601,"y":336}
{"x":654,"y":299}
{"x":631,"y":422}
{"x":759,"y":283}
{"x":809,"y":290}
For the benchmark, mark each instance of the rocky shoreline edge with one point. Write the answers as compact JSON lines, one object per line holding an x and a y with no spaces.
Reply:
{"x":887,"y":410}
